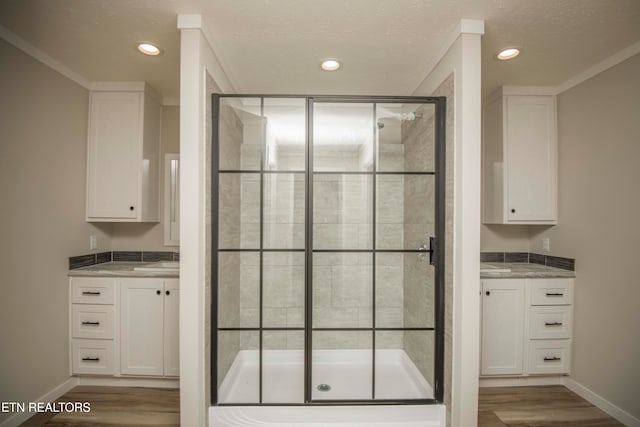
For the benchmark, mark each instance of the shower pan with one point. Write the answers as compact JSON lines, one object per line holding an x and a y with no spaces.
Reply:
{"x":327,"y":257}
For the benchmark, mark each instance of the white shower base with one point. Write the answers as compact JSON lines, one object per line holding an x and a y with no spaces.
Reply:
{"x":347,"y":372}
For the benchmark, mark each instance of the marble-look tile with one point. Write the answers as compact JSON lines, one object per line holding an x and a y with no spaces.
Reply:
{"x":103,"y":257}
{"x":491,"y":256}
{"x":389,"y":340}
{"x":82,"y":261}
{"x":155,"y":256}
{"x":337,"y":340}
{"x":127,"y":256}
{"x":516,"y":257}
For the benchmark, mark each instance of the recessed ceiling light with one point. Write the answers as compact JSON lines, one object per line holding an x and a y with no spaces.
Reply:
{"x":508,"y":53}
{"x":148,"y":48}
{"x":330,"y":65}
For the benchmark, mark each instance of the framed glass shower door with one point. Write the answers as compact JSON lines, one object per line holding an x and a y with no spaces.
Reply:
{"x":325,"y":288}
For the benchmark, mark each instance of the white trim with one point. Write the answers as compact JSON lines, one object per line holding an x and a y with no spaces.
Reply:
{"x":223,"y":79}
{"x":616,"y":412}
{"x":529,"y":90}
{"x":50,"y":396}
{"x":39,"y":55}
{"x":520,"y":381}
{"x":129,"y":382}
{"x":464,"y":26}
{"x":598,"y":68}
{"x":118,"y":86}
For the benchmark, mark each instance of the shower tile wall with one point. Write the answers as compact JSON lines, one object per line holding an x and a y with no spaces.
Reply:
{"x":419,"y":142}
{"x":230,"y":129}
{"x":343,"y":282}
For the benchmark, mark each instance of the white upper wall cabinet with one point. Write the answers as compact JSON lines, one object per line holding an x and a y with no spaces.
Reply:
{"x":123,"y":156}
{"x":519,"y":158}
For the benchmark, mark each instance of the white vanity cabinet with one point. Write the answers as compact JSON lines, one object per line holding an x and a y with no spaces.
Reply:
{"x":519,"y":158}
{"x":149,"y":339}
{"x":527,"y":326}
{"x":124,"y":326}
{"x":502,"y":326}
{"x":93,"y":325}
{"x":123,"y":155}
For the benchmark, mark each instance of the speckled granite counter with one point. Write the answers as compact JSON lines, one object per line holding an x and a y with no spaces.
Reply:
{"x":525,"y":270}
{"x":119,"y":269}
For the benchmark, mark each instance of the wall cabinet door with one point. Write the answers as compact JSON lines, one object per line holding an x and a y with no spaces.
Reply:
{"x":171,"y":328}
{"x":502,"y":327}
{"x":142,"y":336}
{"x":530,"y":144}
{"x":519,"y":159}
{"x":123,"y":157}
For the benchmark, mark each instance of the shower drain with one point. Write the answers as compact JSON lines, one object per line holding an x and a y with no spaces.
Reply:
{"x":324,"y":387}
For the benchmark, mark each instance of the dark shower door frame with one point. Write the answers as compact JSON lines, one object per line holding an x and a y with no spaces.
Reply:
{"x":436,"y":250}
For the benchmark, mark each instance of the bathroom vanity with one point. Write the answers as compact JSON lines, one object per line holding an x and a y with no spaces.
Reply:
{"x":526,"y":317}
{"x":124,"y":320}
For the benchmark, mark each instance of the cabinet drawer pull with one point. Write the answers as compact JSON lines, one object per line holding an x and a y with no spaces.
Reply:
{"x":90,"y":359}
{"x":90,"y":293}
{"x":91,"y":323}
{"x":551,"y":359}
{"x":554,"y":294}
{"x":552,"y":323}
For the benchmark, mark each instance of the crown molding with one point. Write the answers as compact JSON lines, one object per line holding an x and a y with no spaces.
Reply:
{"x":39,"y":55}
{"x":600,"y":67}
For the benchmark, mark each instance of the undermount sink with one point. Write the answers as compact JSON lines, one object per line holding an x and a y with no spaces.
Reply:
{"x":161,"y":266}
{"x":492,"y":268}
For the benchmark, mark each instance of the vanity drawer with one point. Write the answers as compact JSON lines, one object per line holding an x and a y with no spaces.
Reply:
{"x":92,"y":321}
{"x":550,"y":321}
{"x":92,"y":357}
{"x":549,"y":356}
{"x":90,"y":290}
{"x":551,"y":291}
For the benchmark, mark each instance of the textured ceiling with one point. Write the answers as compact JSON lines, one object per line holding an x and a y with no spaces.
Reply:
{"x":275,"y":46}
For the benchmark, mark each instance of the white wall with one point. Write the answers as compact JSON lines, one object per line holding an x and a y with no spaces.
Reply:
{"x":130,"y":236}
{"x":599,"y":205}
{"x":506,"y":238}
{"x":198,"y":66}
{"x":463,"y":60}
{"x":43,"y":134}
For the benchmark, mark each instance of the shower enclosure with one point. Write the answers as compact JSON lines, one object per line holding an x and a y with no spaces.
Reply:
{"x":327,"y":262}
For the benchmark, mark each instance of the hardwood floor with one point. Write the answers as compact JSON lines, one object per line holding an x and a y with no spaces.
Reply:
{"x":116,"y":406}
{"x":538,"y":406}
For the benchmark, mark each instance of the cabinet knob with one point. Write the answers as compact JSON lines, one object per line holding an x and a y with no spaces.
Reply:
{"x":513,"y":211}
{"x":168,"y":293}
{"x":131,"y":208}
{"x":158,"y":292}
{"x":487,"y":293}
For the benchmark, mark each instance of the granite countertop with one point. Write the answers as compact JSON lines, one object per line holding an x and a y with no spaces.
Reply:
{"x":524,"y":270}
{"x":119,"y":269}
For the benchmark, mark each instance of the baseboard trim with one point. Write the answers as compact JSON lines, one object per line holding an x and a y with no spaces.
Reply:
{"x":129,"y":382}
{"x":596,"y":400}
{"x":50,"y":396}
{"x":521,"y":381}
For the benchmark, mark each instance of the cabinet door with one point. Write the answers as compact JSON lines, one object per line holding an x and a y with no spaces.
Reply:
{"x":114,"y":153}
{"x":142,"y":326}
{"x":502,"y":326}
{"x":171,"y":327}
{"x":531,"y":158}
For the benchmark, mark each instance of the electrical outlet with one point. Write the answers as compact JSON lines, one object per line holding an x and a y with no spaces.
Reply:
{"x":93,"y":242}
{"x":546,"y":245}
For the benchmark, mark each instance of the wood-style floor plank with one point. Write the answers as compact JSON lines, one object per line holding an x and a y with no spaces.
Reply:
{"x":116,"y":407}
{"x":538,"y":406}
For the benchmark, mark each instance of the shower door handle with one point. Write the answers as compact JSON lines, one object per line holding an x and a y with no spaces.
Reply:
{"x":433,"y":246}
{"x":431,"y":250}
